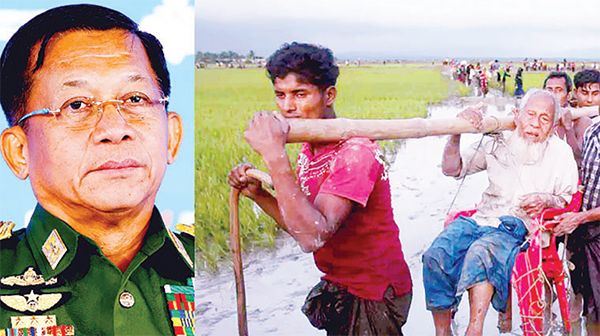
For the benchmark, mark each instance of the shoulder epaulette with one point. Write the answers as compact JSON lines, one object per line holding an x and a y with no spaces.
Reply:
{"x":181,"y":248}
{"x":6,"y":229}
{"x":186,"y":228}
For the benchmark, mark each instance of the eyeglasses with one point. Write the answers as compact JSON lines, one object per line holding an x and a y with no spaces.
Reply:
{"x":85,"y":112}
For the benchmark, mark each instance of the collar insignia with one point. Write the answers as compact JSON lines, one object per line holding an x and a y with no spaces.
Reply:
{"x":180,"y":300}
{"x":6,"y":229}
{"x":54,"y":249}
{"x":31,"y":302}
{"x":29,"y":278}
{"x":35,"y":321}
{"x":180,"y":248}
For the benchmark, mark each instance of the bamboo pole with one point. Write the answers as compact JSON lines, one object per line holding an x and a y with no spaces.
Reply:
{"x":331,"y":130}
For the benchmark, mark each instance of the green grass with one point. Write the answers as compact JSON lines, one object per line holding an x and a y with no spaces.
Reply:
{"x":226,"y":100}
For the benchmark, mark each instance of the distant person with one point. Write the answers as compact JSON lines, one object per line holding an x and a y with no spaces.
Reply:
{"x":483,"y":82}
{"x":505,"y":75}
{"x":337,"y":205}
{"x":528,"y":171}
{"x":519,"y":83}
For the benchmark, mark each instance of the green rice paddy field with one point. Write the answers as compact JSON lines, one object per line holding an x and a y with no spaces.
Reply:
{"x":226,"y":100}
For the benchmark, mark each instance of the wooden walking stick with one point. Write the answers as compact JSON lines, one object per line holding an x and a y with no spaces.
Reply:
{"x":236,"y":250}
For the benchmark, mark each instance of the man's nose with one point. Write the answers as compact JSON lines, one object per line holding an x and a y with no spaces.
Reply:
{"x":535,"y":122}
{"x":289,"y":105}
{"x":112,"y":127}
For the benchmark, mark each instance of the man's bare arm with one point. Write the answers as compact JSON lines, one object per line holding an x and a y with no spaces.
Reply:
{"x":252,"y":189}
{"x":310,"y":224}
{"x":568,"y":222}
{"x":451,"y":161}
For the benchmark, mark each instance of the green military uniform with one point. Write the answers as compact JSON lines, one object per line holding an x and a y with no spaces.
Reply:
{"x":49,"y":271}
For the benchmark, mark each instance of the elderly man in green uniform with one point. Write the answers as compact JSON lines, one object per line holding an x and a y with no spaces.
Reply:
{"x":86,"y":93}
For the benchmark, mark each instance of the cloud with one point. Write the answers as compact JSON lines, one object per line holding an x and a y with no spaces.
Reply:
{"x":12,"y":19}
{"x":186,"y":217}
{"x":173,"y":24}
{"x":459,"y":14}
{"x":403,"y":29}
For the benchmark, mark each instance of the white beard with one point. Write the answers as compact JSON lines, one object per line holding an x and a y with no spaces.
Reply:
{"x":526,"y":152}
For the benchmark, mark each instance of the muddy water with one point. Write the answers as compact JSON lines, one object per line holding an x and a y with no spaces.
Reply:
{"x":277,"y":281}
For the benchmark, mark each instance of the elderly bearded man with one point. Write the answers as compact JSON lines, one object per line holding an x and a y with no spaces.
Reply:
{"x":85,"y":93}
{"x":528,"y":171}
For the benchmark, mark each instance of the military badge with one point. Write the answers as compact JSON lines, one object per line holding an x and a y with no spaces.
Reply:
{"x":181,"y":249}
{"x":29,"y":278}
{"x":61,"y":330}
{"x":181,"y":307}
{"x":54,"y":249}
{"x":31,"y":302}
{"x":35,"y":321}
{"x":6,"y":229}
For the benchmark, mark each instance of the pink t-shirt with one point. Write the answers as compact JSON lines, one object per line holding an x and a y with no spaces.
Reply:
{"x":364,"y":255}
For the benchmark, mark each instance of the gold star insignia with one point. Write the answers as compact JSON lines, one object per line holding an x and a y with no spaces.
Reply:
{"x":31,"y":302}
{"x":35,"y":321}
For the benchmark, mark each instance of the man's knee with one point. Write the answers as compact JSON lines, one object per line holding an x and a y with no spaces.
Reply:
{"x":430,"y":257}
{"x":478,"y":251}
{"x":436,"y":261}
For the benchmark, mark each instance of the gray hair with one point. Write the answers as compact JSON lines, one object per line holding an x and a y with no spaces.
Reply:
{"x":535,"y":92}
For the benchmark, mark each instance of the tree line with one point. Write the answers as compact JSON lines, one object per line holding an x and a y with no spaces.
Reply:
{"x":224,"y":57}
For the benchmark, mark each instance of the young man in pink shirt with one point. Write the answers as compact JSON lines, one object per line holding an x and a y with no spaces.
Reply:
{"x":337,"y":205}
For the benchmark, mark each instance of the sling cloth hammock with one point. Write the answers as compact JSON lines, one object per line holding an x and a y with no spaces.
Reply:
{"x":540,"y":264}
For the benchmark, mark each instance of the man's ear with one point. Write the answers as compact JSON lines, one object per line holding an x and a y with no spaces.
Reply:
{"x":14,"y":150}
{"x":330,"y":95}
{"x":175,"y":129}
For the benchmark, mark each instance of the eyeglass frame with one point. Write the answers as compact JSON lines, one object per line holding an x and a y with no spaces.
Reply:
{"x":46,"y":111}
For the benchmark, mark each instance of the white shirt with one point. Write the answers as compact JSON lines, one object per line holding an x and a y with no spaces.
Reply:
{"x":554,"y":172}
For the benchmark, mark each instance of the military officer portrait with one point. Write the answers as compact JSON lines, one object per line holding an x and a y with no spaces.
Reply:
{"x":86,"y":95}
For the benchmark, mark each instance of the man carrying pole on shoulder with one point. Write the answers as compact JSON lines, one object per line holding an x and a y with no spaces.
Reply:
{"x":587,"y":94}
{"x":337,"y":206}
{"x":584,"y":226}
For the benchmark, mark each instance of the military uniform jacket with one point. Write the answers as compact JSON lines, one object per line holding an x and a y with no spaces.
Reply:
{"x":53,"y":274}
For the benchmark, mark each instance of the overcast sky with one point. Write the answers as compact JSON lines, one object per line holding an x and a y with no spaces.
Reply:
{"x":404,"y":29}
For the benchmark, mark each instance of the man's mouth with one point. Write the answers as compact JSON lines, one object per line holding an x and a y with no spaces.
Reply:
{"x":120,"y":165}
